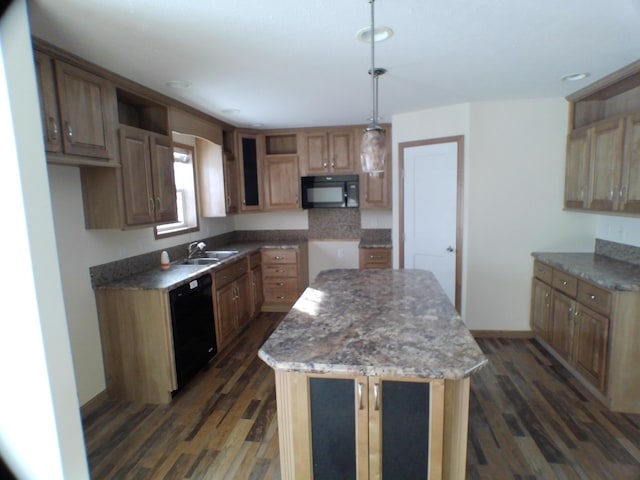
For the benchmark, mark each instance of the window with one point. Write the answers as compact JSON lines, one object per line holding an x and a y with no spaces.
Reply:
{"x":184,"y":172}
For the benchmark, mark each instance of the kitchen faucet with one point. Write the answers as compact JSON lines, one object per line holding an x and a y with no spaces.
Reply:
{"x":195,"y":248}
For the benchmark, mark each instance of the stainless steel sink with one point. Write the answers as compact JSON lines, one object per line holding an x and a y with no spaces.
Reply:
{"x":220,"y":254}
{"x":201,"y":261}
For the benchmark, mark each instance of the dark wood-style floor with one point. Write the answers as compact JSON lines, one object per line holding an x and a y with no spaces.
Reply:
{"x":528,"y":420}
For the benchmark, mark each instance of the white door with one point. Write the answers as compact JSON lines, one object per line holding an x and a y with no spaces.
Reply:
{"x":430,"y":206}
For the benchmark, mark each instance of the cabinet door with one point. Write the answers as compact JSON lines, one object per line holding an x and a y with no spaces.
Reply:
{"x":630,"y":185}
{"x":48,"y":102}
{"x":341,"y":151}
{"x":231,"y":183}
{"x":561,"y":323}
{"x":86,"y":103}
{"x":164,"y":186}
{"x":606,"y":164}
{"x":400,"y":423}
{"x":591,"y":343}
{"x":315,"y":153}
{"x":282,"y":182}
{"x":243,"y":300}
{"x":540,"y":308}
{"x":577,"y":168}
{"x":338,"y":417}
{"x":256,"y":290}
{"x":226,"y":314}
{"x":249,"y":171}
{"x":136,"y":176}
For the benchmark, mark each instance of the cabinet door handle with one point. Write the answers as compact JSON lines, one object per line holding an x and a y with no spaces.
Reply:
{"x":151,"y":205}
{"x":564,"y":282}
{"x":376,"y":403}
{"x":360,"y":399}
{"x":69,"y":131}
{"x":158,"y":203}
{"x":592,"y":297}
{"x":333,"y":164}
{"x":324,"y":164}
{"x":53,"y":128}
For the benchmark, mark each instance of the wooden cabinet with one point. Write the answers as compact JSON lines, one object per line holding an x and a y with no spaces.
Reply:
{"x":148,"y":180}
{"x":255,"y":272}
{"x":231,"y":183}
{"x":375,"y":257}
{"x":232,"y":300}
{"x":249,"y":170}
{"x":78,"y":110}
{"x":592,"y":331}
{"x":327,"y":151}
{"x":375,"y":190}
{"x":285,"y":275}
{"x":602,"y":172}
{"x":363,"y":427}
{"x":281,"y":182}
{"x":540,"y":308}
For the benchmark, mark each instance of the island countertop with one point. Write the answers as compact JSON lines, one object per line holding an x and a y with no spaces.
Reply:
{"x":396,"y":323}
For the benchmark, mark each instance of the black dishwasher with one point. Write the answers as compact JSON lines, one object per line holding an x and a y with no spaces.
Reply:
{"x":194,"y":337}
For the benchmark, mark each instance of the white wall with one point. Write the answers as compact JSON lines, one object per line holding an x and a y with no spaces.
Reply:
{"x":40,"y":429}
{"x":619,"y":229}
{"x":513,"y":191}
{"x":325,"y":254}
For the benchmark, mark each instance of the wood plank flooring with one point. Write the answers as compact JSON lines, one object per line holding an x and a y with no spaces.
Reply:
{"x":529,"y":419}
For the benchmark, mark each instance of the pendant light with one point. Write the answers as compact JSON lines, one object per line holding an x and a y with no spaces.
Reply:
{"x":373,"y":148}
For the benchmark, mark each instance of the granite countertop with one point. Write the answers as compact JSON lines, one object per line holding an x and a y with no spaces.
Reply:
{"x":394,"y":323}
{"x":599,"y":269}
{"x":178,"y":274}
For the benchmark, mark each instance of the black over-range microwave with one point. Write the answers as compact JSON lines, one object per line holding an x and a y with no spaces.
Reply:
{"x":330,"y":191}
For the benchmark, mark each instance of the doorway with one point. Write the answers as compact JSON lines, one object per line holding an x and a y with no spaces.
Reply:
{"x":430,"y":210}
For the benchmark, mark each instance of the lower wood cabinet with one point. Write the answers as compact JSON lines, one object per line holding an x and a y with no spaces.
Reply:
{"x":255,"y":273}
{"x":592,"y":331}
{"x":360,"y":427}
{"x":232,"y":300}
{"x":375,"y":257}
{"x":285,"y":275}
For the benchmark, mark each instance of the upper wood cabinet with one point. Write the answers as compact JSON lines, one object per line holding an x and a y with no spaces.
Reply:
{"x":281,"y":182}
{"x":603,"y":155}
{"x":147,"y":173}
{"x":327,"y":151}
{"x":78,"y":111}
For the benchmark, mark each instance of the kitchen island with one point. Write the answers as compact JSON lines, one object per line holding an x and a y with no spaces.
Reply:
{"x":372,"y":378}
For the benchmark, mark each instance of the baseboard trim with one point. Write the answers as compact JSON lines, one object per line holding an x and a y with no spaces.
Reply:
{"x":95,"y":402}
{"x":502,"y":333}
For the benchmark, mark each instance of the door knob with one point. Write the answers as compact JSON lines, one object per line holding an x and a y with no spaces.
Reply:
{"x":449,"y":248}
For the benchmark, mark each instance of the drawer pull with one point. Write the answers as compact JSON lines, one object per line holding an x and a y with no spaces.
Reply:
{"x":281,"y":284}
{"x":375,"y":257}
{"x":564,"y":282}
{"x":277,"y":258}
{"x":279,"y":271}
{"x":280,"y":297}
{"x":592,"y":297}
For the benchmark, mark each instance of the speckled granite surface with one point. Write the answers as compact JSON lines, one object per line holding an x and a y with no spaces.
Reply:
{"x":599,"y":269}
{"x":334,"y":223}
{"x":178,"y":274}
{"x":375,"y":238}
{"x":619,"y":251}
{"x":374,"y":322}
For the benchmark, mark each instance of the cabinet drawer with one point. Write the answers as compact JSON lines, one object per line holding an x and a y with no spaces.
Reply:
{"x":375,"y":258}
{"x":279,"y":271}
{"x":280,"y":295}
{"x":565,"y":282}
{"x":230,"y":272}
{"x":279,"y":255}
{"x":282,"y":284}
{"x":594,"y":297}
{"x":542,"y":271}
{"x":255,"y":260}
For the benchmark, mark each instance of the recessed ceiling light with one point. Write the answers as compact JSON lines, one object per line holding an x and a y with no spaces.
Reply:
{"x":230,"y":111}
{"x":178,"y":84}
{"x":380,"y":34}
{"x":574,"y":77}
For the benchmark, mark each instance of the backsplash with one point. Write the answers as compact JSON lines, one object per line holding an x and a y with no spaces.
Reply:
{"x":619,"y":251}
{"x":334,"y":223}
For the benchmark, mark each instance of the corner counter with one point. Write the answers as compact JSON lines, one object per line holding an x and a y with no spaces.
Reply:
{"x":376,"y":364}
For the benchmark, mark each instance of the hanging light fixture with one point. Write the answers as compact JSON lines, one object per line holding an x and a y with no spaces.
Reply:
{"x":373,"y":148}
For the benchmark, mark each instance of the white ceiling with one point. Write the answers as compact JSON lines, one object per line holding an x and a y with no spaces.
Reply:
{"x":296,"y":63}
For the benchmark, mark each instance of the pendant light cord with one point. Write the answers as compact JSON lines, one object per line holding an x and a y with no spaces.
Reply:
{"x":374,"y":90}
